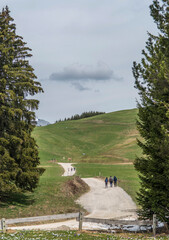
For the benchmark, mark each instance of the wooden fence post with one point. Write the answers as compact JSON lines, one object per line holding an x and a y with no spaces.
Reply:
{"x":154,"y":224}
{"x":80,"y":221}
{"x":166,"y":227}
{"x":3,"y":225}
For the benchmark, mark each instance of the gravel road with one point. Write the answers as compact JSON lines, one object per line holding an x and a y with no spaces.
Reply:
{"x":69,"y":170}
{"x":100,"y":202}
{"x":109,"y":202}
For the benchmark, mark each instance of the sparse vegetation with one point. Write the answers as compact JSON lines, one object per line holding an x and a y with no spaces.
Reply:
{"x":73,"y":235}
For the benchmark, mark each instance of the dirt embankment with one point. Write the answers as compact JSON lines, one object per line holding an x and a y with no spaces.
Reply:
{"x":75,"y":187}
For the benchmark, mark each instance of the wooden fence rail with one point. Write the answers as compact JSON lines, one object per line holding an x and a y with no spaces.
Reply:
{"x":117,"y":222}
{"x":42,"y":218}
{"x":79,"y":217}
{"x":120,"y":223}
{"x":5,"y":222}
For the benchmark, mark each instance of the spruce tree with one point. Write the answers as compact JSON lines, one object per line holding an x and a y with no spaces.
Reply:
{"x":152,"y":82}
{"x":18,"y":150}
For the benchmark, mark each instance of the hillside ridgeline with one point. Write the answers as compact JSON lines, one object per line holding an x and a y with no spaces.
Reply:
{"x":106,"y":138}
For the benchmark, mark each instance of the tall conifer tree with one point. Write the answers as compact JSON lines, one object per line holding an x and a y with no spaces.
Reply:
{"x":18,"y":150}
{"x":152,"y":82}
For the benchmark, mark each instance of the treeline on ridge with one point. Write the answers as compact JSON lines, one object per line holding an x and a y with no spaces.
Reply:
{"x":83,"y":115}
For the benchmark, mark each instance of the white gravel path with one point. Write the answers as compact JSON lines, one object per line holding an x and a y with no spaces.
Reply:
{"x":69,"y":170}
{"x":100,"y":202}
{"x":107,"y":203}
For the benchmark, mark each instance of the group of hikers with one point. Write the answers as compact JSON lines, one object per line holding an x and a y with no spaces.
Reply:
{"x":71,"y":169}
{"x":111,"y":180}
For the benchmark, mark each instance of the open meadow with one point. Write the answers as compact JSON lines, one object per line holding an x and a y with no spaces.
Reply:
{"x":106,"y":138}
{"x":103,"y":145}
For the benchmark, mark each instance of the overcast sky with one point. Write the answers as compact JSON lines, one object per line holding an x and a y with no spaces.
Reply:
{"x":83,"y":51}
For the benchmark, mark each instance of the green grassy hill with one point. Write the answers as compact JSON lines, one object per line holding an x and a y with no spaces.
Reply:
{"x":109,"y":144}
{"x":107,"y":138}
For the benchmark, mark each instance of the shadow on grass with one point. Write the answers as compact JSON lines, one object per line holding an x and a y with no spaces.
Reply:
{"x":16,"y":199}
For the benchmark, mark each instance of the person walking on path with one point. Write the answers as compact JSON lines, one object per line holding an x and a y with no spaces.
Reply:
{"x":115,"y":181}
{"x":111,"y":181}
{"x":106,"y":182}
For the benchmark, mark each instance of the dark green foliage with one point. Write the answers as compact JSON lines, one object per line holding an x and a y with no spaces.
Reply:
{"x":152,"y":82}
{"x":83,"y":115}
{"x":18,"y":150}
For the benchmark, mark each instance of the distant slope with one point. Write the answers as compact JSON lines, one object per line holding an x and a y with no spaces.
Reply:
{"x":41,"y":122}
{"x":106,"y":138}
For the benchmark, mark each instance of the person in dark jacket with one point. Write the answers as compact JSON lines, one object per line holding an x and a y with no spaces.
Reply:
{"x":111,"y":181}
{"x":106,"y":182}
{"x":115,"y":181}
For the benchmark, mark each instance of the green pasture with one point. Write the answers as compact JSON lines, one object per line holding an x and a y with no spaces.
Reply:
{"x":49,"y":198}
{"x":106,"y":138}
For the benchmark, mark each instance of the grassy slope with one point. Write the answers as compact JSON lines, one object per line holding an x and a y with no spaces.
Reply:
{"x":106,"y":139}
{"x":51,"y":197}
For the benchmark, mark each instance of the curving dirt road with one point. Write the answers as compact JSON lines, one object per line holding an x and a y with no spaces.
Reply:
{"x":100,"y":202}
{"x":107,"y":203}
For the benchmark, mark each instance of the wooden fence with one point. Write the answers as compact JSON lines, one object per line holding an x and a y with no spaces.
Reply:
{"x":116,"y":222}
{"x":80,"y":218}
{"x":6,"y":222}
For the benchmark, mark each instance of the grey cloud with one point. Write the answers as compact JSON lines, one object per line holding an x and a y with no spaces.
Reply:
{"x":85,"y":72}
{"x":79,"y":86}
